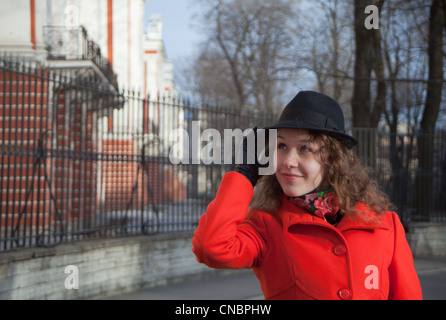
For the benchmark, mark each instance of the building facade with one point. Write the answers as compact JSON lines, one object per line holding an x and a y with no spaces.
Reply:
{"x":35,"y":29}
{"x":74,"y":143}
{"x":105,"y":37}
{"x":159,"y":72}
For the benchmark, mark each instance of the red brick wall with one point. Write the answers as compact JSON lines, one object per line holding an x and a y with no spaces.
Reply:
{"x":69,"y":176}
{"x":23,"y":112}
{"x":69,"y":135}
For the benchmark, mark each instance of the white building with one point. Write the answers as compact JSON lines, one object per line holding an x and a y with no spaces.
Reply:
{"x":54,"y":31}
{"x":159,"y":77}
{"x":159,"y":81}
{"x":29,"y":27}
{"x":105,"y":37}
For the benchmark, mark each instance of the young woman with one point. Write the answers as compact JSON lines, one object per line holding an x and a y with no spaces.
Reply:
{"x":318,"y":228}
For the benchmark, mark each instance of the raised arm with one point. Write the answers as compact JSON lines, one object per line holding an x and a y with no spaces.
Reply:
{"x":224,"y":238}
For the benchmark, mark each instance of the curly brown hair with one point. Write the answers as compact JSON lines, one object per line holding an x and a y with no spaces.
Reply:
{"x":342,"y":170}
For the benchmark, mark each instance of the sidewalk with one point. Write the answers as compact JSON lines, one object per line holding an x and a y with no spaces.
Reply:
{"x":432,"y":275}
{"x":244,"y":286}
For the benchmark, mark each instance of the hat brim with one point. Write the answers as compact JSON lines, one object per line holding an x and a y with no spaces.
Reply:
{"x":344,"y":138}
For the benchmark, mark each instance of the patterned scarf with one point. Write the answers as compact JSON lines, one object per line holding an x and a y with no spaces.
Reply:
{"x":322,"y":204}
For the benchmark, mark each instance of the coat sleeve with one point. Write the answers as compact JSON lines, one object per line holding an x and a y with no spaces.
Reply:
{"x":225,"y":239}
{"x":404,"y":282}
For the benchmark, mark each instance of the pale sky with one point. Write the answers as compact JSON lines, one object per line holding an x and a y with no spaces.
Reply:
{"x":180,"y":38}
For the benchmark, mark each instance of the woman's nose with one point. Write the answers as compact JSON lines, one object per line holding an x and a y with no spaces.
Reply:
{"x":291,"y":160}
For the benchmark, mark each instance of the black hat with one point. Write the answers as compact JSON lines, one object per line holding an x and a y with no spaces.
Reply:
{"x":315,"y":111}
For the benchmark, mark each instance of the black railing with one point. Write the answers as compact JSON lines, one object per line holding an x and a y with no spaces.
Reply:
{"x":395,"y":160}
{"x":74,"y":43}
{"x":78,"y":161}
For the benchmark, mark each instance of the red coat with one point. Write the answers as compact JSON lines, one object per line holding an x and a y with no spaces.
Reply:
{"x":296,"y":255}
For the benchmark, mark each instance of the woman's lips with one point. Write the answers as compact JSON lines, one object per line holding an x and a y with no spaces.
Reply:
{"x":291,"y":176}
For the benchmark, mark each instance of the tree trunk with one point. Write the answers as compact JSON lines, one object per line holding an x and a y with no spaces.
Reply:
{"x":431,"y":109}
{"x":363,"y":67}
{"x":380,"y":100}
{"x":368,"y":57}
{"x":433,"y":98}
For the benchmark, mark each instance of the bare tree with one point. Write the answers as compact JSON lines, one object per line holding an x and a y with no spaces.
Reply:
{"x":432,"y":106}
{"x":332,"y":48}
{"x":368,"y":58}
{"x":211,"y":79}
{"x":251,"y":39}
{"x":436,"y":56}
{"x":404,"y":29}
{"x":326,"y":48}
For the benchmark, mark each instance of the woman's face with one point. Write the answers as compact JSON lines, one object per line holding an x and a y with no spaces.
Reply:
{"x":298,"y":169}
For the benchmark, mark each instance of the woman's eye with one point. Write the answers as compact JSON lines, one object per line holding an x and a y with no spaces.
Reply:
{"x":305,"y":149}
{"x":281,"y":146}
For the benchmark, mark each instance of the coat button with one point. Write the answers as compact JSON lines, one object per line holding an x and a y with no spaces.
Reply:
{"x":339,"y":249}
{"x":345,"y":294}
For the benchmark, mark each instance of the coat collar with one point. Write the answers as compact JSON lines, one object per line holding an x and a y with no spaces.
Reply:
{"x":367,"y":220}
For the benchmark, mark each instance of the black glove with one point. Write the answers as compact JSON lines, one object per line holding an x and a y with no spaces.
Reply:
{"x":249,"y":170}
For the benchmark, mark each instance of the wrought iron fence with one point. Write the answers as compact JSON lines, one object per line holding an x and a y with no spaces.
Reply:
{"x":410,"y":167}
{"x":79,"y":161}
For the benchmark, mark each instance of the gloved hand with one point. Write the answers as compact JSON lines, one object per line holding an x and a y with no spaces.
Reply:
{"x":249,"y":170}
